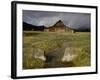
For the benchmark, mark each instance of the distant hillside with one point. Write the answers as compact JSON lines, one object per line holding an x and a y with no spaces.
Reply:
{"x":28,"y":27}
{"x":82,"y":30}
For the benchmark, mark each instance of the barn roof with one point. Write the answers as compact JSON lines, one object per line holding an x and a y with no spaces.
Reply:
{"x":59,"y":23}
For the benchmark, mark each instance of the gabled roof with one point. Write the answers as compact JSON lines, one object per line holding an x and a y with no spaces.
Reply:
{"x":59,"y":24}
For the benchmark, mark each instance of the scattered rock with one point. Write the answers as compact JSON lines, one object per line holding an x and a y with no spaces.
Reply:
{"x":39,"y":53}
{"x":69,"y":54}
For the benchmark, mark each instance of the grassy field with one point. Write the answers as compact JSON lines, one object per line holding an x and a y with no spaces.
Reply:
{"x":54,"y":44}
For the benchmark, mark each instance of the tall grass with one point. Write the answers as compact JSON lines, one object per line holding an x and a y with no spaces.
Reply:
{"x":48,"y":41}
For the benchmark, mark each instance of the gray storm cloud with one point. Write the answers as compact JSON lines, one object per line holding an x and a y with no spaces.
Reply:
{"x":73,"y":20}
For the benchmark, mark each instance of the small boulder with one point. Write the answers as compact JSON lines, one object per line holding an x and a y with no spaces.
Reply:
{"x":69,"y":54}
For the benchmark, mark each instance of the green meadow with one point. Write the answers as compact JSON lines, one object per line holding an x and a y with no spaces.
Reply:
{"x":56,"y":44}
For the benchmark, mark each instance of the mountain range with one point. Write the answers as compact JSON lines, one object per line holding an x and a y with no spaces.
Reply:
{"x":27,"y":27}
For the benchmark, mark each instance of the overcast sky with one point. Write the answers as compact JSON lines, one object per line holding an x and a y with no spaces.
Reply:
{"x":46,"y":18}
